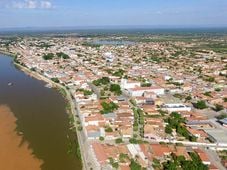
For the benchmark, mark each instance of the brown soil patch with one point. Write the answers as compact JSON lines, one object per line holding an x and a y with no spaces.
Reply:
{"x":13,"y":154}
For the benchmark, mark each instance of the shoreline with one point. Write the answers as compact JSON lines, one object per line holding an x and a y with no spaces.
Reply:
{"x":7,"y":53}
{"x":67,"y":95}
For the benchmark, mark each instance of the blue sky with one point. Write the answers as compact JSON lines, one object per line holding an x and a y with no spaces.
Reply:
{"x":73,"y":13}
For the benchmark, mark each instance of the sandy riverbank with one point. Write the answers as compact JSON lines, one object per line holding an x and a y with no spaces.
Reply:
{"x":13,"y":154}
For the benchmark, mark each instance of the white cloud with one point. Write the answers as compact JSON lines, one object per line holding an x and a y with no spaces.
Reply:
{"x":31,"y":4}
{"x":46,"y":4}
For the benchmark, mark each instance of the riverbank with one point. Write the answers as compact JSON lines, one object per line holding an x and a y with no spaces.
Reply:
{"x":14,"y":153}
{"x":67,"y":96}
{"x":6,"y":53}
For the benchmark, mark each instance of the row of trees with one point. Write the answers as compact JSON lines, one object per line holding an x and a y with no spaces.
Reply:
{"x":138,"y":121}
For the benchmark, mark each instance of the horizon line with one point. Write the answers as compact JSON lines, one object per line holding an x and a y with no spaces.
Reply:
{"x":113,"y":27}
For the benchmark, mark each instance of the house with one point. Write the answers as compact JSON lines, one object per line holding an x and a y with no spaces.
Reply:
{"x":94,"y":132}
{"x":100,"y":154}
{"x":224,"y":162}
{"x":94,"y":119}
{"x":200,"y":134}
{"x":200,"y":124}
{"x":203,"y":156}
{"x":150,"y":110}
{"x":160,"y":151}
{"x":126,"y":131}
{"x":154,"y":131}
{"x":182,"y":151}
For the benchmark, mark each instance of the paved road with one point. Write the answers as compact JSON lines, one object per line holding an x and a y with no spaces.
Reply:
{"x":218,"y":125}
{"x":214,"y":158}
{"x":86,"y":151}
{"x":187,"y":143}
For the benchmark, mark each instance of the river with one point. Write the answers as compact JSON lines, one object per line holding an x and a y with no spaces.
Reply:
{"x":40,"y":115}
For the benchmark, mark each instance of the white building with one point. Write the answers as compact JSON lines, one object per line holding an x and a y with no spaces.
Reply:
{"x":109,"y":56}
{"x":135,"y":150}
{"x":139,"y":91}
{"x":125,"y":84}
{"x":176,"y":107}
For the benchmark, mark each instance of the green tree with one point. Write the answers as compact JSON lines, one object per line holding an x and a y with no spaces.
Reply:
{"x":116,"y":89}
{"x":200,"y":104}
{"x":101,"y":138}
{"x":48,"y":56}
{"x":101,"y":81}
{"x":225,"y":99}
{"x":119,"y":140}
{"x":221,"y":116}
{"x":108,"y":107}
{"x":218,"y":107}
{"x":168,"y":129}
{"x":134,"y":165}
{"x":188,"y":98}
{"x":170,"y":165}
{"x":108,"y":129}
{"x":119,"y":73}
{"x":55,"y":80}
{"x":62,"y":55}
{"x":123,"y":157}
